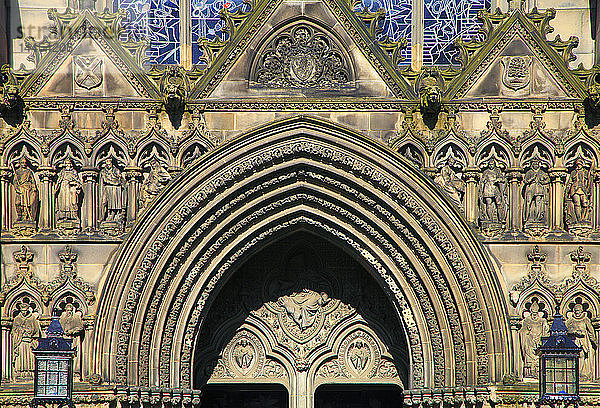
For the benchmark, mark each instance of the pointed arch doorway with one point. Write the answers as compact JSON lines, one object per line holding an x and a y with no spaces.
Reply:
{"x":301,"y":315}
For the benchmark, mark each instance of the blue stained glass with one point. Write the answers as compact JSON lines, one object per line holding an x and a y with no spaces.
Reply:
{"x":206,"y":22}
{"x":157,"y":21}
{"x":446,"y":20}
{"x":396,"y":23}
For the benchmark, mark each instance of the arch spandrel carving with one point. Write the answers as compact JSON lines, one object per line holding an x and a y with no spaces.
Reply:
{"x":321,"y":155}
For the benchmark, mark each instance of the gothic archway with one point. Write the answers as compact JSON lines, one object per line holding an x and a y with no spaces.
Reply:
{"x":310,"y":174}
{"x":301,"y":313}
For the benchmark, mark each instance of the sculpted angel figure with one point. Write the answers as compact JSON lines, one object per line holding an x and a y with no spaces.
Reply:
{"x":155,"y":181}
{"x":578,"y":191}
{"x":68,"y":193}
{"x":580,"y":324}
{"x":72,"y":324}
{"x":26,"y":192}
{"x":492,"y":188}
{"x":450,"y":182}
{"x":113,"y":197}
{"x":243,"y":354}
{"x":536,"y":182}
{"x":359,"y":355}
{"x":534,"y":327}
{"x":26,"y":330}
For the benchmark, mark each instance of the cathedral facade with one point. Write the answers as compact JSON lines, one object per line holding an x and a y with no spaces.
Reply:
{"x":316,"y":203}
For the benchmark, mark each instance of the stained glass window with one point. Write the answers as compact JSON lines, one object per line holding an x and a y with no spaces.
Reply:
{"x":397,"y":21}
{"x":206,"y":22}
{"x":446,"y":20}
{"x":158,"y":22}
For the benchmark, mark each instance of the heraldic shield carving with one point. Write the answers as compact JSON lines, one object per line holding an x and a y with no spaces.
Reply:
{"x":88,"y":71}
{"x":516,"y":72}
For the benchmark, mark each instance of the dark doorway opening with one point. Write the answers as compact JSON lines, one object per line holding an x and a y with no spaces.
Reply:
{"x":358,"y":396}
{"x":245,"y":396}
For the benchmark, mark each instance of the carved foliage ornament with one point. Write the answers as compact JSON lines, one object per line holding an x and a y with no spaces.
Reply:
{"x":302,"y":57}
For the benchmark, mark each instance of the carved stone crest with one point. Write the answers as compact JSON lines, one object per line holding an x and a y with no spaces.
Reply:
{"x":516,"y":72}
{"x":244,"y":355}
{"x":302,"y":57}
{"x":88,"y":71}
{"x":360,"y":355}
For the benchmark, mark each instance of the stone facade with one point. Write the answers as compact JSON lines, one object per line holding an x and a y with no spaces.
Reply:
{"x":301,"y":210}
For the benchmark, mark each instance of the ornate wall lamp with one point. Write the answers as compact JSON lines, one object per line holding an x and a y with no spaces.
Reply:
{"x":53,"y":382}
{"x":559,"y":366}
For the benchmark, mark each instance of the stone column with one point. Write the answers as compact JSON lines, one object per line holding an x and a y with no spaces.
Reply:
{"x":6,"y":350}
{"x":45,"y":174}
{"x":5,"y":176}
{"x":301,"y":396}
{"x":91,"y":204}
{"x":596,"y":200}
{"x":134,"y":177}
{"x":558,"y":177}
{"x":471,"y":175}
{"x":514,"y":219}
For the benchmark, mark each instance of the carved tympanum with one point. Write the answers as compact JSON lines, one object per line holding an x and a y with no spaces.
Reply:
{"x":302,"y":56}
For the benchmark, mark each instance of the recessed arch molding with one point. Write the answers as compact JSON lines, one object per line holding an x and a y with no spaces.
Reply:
{"x":292,"y":174}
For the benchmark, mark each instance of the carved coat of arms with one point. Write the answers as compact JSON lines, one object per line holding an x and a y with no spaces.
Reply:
{"x":516,"y":72}
{"x":88,"y":71}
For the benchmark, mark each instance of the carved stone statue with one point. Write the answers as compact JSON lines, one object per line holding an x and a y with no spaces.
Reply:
{"x":112,"y":197}
{"x":26,"y":195}
{"x":72,"y":324}
{"x":68,"y":195}
{"x":534,"y":327}
{"x":580,"y":324}
{"x":303,"y":306}
{"x":536,"y":183}
{"x":578,"y":199}
{"x":358,"y":354}
{"x":25,"y":331}
{"x":450,"y":182}
{"x":155,"y":181}
{"x":243,"y":354}
{"x":492,"y":196}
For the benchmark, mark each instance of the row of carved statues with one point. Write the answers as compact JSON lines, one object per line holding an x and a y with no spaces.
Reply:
{"x":491,"y":182}
{"x":534,"y":182}
{"x":68,"y":194}
{"x":536,"y":297}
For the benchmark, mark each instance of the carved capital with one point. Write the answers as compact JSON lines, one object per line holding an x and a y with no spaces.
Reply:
{"x":514,"y":174}
{"x":133,"y":174}
{"x":5,"y":173}
{"x":558,"y":174}
{"x":90,"y":175}
{"x":472,"y":174}
{"x":46,"y":174}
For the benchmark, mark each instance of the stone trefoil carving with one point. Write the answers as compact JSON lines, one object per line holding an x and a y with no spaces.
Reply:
{"x":302,"y":56}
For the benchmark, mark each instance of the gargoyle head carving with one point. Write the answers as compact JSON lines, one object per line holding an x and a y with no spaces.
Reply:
{"x":11,"y":105}
{"x":174,"y":90}
{"x":430,"y":96}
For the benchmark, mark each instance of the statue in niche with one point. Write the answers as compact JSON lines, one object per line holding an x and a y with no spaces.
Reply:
{"x":536,"y":183}
{"x":303,"y":306}
{"x":72,"y":324}
{"x":155,"y":181}
{"x":243,"y":354}
{"x":579,"y":323}
{"x":68,"y":196}
{"x":25,"y":332}
{"x":26,"y":196}
{"x":112,"y":197}
{"x":578,"y":196}
{"x":492,"y":196}
{"x":358,"y":354}
{"x":450,"y":182}
{"x":533,"y":327}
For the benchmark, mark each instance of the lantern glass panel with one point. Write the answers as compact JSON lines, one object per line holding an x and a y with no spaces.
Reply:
{"x":560,"y":375}
{"x":52,"y":378}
